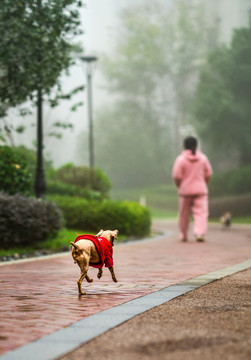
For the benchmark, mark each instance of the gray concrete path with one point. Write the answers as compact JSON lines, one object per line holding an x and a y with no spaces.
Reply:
{"x":212,"y":322}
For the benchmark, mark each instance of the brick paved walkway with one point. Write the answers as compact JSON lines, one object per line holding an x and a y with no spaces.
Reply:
{"x":40,"y":297}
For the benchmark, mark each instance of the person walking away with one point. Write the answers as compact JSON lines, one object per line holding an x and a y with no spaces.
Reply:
{"x":191,"y":173}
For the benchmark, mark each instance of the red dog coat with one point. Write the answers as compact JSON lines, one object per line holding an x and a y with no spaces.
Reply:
{"x":104,"y":249}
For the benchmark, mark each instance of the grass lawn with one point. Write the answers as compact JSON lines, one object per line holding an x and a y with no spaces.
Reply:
{"x":62,"y":240}
{"x":162,"y":200}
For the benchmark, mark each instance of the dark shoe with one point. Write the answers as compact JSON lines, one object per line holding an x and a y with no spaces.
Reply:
{"x":200,"y":239}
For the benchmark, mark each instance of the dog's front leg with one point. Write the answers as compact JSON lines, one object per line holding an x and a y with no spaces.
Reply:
{"x":84,"y":266}
{"x":82,"y":276}
{"x":100,"y":273}
{"x":112,"y":274}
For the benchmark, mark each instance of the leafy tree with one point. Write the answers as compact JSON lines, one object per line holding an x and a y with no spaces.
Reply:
{"x":222,"y":104}
{"x":29,"y":156}
{"x":36,"y":47}
{"x":152,"y":75}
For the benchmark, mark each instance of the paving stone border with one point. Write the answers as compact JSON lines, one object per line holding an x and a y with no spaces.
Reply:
{"x":68,"y":339}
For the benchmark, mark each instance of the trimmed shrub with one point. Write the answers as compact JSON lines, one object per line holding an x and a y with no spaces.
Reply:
{"x":25,"y":221}
{"x":83,"y":177}
{"x":60,"y":188}
{"x":130,"y":218}
{"x":14,"y":172}
{"x":30,"y":156}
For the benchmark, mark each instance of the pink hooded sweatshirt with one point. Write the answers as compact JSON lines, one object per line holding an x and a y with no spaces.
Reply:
{"x":191,"y":173}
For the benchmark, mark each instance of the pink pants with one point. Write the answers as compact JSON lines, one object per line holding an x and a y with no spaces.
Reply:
{"x":198,"y":204}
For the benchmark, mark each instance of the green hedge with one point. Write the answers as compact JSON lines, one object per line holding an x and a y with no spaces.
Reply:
{"x":60,"y":188}
{"x":231,"y":182}
{"x":25,"y":221}
{"x":14,"y":172}
{"x":237,"y":205}
{"x":82,"y":177}
{"x":130,"y":218}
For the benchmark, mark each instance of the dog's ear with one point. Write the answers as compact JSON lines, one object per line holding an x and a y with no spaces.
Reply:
{"x":114,"y":236}
{"x":74,"y":245}
{"x":100,"y":233}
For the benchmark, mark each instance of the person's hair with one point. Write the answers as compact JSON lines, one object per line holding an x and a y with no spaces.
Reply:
{"x":190,"y":143}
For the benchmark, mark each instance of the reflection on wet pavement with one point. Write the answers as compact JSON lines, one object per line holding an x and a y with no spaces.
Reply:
{"x":40,"y":297}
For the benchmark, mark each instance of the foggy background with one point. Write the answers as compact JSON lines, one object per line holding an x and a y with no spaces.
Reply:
{"x":141,"y":114}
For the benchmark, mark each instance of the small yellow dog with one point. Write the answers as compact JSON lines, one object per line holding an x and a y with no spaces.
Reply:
{"x":225,"y":220}
{"x":96,"y":251}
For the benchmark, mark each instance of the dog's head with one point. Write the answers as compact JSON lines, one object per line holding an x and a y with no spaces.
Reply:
{"x":110,"y":235}
{"x":225,"y":216}
{"x":77,"y":253}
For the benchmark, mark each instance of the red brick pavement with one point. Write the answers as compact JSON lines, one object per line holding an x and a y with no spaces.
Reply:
{"x":40,"y":297}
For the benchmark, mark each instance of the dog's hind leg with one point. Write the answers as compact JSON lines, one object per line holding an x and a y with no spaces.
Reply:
{"x":100,"y":273}
{"x":113,"y":274}
{"x":89,"y":280}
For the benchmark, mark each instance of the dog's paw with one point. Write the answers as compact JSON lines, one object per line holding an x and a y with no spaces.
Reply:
{"x":114,"y":279}
{"x":100,"y":273}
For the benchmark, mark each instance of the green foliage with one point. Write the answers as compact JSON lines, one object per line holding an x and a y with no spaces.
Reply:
{"x":237,"y":205}
{"x":152,"y":73}
{"x":231,"y":182}
{"x":222,"y":104}
{"x":62,"y":240}
{"x":29,"y":157}
{"x":128,"y":217}
{"x":61,"y":188}
{"x":129,"y":153}
{"x":25,"y":221}
{"x":15,"y":173}
{"x":81,"y":177}
{"x":160,"y":198}
{"x":35,"y":46}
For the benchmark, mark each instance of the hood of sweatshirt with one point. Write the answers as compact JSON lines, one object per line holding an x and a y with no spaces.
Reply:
{"x":188,"y":155}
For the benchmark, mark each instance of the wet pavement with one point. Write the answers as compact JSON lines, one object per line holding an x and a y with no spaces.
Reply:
{"x":39,"y":297}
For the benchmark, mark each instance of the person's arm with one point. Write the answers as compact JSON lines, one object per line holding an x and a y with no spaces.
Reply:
{"x":177,"y":172}
{"x":177,"y":182}
{"x":208,"y":170}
